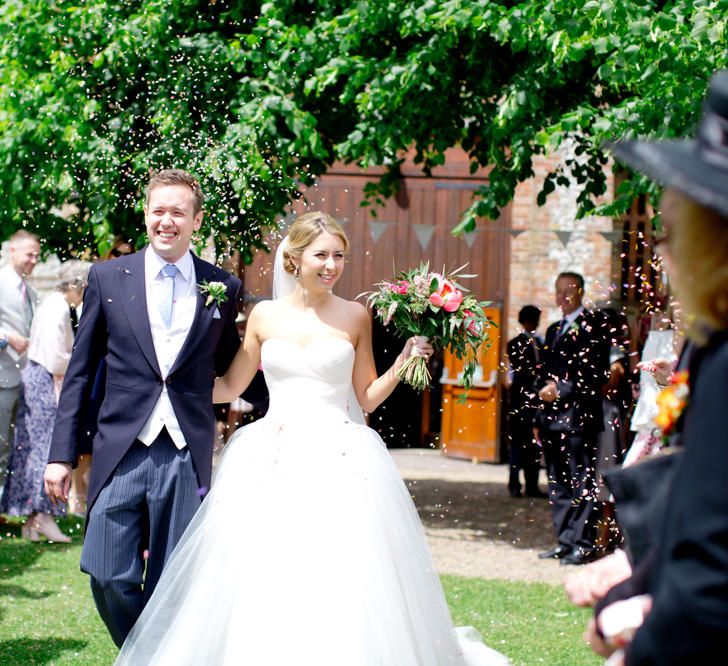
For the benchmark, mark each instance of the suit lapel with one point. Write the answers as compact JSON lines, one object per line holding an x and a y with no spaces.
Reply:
{"x":134,"y":301}
{"x":569,"y":333}
{"x":204,"y":272}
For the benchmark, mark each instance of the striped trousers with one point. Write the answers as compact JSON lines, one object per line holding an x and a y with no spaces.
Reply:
{"x":145,"y":506}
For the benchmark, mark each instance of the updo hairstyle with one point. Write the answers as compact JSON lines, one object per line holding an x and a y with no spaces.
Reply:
{"x":304,"y":230}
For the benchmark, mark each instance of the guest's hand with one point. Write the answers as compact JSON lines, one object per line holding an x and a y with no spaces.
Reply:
{"x":549,"y":393}
{"x":595,"y":641}
{"x":18,"y":342}
{"x":592,"y":582}
{"x":618,"y":622}
{"x":659,"y":368}
{"x":57,"y":481}
{"x":617,"y":659}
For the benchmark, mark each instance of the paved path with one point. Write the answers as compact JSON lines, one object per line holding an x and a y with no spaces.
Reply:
{"x":474,"y":527}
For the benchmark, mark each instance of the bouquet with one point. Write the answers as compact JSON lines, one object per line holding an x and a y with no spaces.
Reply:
{"x":433,"y":305}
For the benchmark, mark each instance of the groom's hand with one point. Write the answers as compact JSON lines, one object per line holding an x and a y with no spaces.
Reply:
{"x":57,"y":480}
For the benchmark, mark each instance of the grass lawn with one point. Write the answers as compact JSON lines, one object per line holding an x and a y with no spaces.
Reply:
{"x":47,"y":615}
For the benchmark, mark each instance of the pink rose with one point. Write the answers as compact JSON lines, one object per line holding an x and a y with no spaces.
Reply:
{"x":401,"y":287}
{"x":446,"y":296}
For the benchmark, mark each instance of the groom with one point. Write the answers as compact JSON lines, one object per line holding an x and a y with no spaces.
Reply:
{"x":163,"y":341}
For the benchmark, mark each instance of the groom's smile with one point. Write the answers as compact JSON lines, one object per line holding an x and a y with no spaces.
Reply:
{"x":171,"y":220}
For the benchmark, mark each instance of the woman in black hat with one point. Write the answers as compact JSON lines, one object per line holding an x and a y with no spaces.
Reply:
{"x":686,"y":607}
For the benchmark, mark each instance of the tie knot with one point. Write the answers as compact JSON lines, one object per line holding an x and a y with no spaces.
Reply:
{"x":169,"y":271}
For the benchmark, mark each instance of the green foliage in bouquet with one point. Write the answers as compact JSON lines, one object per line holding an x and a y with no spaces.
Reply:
{"x":436,"y":306}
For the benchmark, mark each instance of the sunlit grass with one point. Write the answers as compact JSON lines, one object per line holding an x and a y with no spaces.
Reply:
{"x":47,"y":615}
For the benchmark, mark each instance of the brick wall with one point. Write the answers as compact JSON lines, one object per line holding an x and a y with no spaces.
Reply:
{"x":538,"y":255}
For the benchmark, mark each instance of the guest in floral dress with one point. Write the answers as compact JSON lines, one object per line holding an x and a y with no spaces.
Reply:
{"x":51,"y":341}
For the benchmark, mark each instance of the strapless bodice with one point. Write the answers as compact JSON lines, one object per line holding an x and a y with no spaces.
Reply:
{"x":310,"y":381}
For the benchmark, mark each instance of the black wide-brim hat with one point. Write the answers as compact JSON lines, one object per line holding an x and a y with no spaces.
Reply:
{"x":696,"y":167}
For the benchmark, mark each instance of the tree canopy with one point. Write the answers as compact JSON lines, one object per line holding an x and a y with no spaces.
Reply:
{"x":258,"y":99}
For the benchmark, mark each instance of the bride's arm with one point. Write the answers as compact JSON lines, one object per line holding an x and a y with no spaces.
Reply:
{"x":371,"y":391}
{"x":244,"y":365}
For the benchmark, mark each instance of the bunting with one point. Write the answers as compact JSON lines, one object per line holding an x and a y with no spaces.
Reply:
{"x":424,"y":232}
{"x":376,"y":229}
{"x":470,"y":236}
{"x":612,"y":236}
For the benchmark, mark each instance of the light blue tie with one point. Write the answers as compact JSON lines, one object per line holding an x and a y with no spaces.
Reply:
{"x":166,"y":293}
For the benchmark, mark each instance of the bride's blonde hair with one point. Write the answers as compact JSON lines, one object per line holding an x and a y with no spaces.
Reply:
{"x":303,"y":231}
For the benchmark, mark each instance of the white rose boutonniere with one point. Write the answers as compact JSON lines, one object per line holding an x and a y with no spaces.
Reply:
{"x":215,"y":291}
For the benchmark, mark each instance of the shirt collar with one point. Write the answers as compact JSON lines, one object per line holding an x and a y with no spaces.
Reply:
{"x":153,"y":263}
{"x":571,"y":318}
{"x":13,"y":276}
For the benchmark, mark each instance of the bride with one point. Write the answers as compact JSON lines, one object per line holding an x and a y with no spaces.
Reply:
{"x":308,"y":549}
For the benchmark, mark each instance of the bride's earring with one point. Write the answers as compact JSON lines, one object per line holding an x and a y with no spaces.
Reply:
{"x":296,"y":272}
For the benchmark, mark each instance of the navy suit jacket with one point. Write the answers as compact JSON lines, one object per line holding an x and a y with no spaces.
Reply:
{"x":579,"y":364}
{"x":114,"y":326}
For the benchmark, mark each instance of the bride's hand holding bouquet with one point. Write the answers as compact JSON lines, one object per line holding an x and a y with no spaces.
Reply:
{"x":435,"y":309}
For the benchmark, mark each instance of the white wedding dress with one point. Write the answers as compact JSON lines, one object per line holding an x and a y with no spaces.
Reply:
{"x":308,"y":550}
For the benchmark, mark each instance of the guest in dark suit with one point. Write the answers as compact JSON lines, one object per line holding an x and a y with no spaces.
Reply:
{"x":162,"y":341}
{"x":524,"y":355}
{"x":686,"y":612}
{"x":574,"y":368}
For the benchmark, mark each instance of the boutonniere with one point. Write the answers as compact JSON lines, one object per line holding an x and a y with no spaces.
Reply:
{"x":671,"y":403}
{"x":216,"y":291}
{"x":574,"y":328}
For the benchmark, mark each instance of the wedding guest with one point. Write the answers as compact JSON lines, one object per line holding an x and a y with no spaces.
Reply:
{"x":655,"y":366}
{"x":17,"y":305}
{"x":616,"y":401}
{"x":51,"y":341}
{"x":524,"y":356}
{"x":684,"y":617}
{"x":574,"y":369}
{"x":119,"y":248}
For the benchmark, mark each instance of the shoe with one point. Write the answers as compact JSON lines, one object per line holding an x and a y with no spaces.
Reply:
{"x":27,"y":531}
{"x":578,"y":557}
{"x":516,"y":493}
{"x":537,"y":493}
{"x":555,"y":553}
{"x":43,"y":523}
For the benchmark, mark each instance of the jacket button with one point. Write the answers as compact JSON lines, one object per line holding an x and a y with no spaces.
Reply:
{"x":168,"y":381}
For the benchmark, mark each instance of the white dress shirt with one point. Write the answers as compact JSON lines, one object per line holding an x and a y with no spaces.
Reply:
{"x":568,"y":320}
{"x":168,"y":341}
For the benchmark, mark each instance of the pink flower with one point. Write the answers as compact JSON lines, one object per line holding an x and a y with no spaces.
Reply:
{"x":401,"y":287}
{"x":472,"y":326}
{"x":446,"y":296}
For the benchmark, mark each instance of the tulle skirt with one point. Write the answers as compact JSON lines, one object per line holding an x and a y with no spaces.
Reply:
{"x":308,"y":550}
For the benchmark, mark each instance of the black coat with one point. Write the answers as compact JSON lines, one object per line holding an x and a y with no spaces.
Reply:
{"x":689,"y":584}
{"x":524,"y":353}
{"x":579,"y":364}
{"x":115,"y":326}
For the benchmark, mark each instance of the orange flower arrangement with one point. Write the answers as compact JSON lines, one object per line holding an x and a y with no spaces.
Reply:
{"x":671,"y":402}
